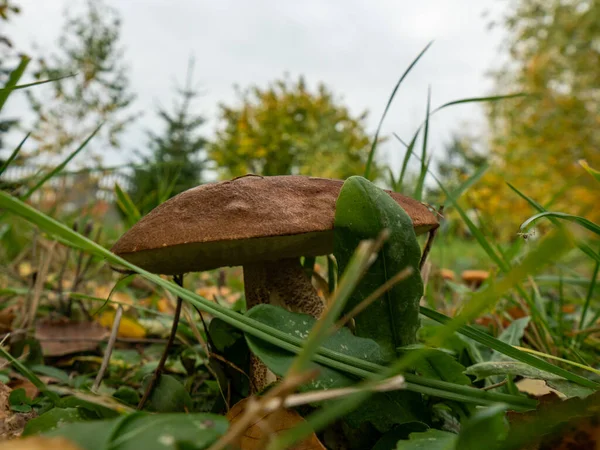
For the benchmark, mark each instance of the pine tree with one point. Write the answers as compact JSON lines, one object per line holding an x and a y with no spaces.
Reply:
{"x":176,"y":161}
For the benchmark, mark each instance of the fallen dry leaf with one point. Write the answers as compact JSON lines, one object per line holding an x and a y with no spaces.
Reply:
{"x":30,"y":390}
{"x":11,"y":423}
{"x":572,"y":424}
{"x":7,"y":316}
{"x":270,"y":425}
{"x":61,"y":337}
{"x":40,"y":443}
{"x":128,"y":328}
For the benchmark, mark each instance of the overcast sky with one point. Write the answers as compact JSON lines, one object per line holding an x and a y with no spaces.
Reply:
{"x":358,"y":48}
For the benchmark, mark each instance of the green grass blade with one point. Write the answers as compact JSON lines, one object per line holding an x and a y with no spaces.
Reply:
{"x":462,"y":188}
{"x":409,"y":151}
{"x":588,"y":298}
{"x":508,"y":350}
{"x":13,"y":79}
{"x":13,"y":155}
{"x":387,"y":107}
{"x":424,"y":164}
{"x":61,"y":166}
{"x":475,"y":231}
{"x":580,"y":244}
{"x":593,"y":172}
{"x":581,"y":221}
{"x":124,"y":202}
{"x":27,"y":373}
{"x":493,"y":98}
{"x":8,"y":90}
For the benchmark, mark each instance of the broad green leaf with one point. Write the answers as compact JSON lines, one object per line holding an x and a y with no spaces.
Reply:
{"x":362,"y":212}
{"x":492,"y":368}
{"x":439,"y":365}
{"x":295,"y":324}
{"x":169,"y":395}
{"x":569,"y":389}
{"x":388,"y":440}
{"x":148,"y":432}
{"x":429,"y":440}
{"x":52,"y":420}
{"x":487,"y":426}
{"x":383,"y":410}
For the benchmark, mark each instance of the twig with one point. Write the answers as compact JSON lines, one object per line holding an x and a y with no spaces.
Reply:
{"x":494,"y":386}
{"x":429,"y":243}
{"x":161,"y":364}
{"x":109,"y":348}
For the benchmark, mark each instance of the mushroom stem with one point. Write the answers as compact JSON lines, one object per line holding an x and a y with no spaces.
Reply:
{"x":281,"y":283}
{"x":161,"y":364}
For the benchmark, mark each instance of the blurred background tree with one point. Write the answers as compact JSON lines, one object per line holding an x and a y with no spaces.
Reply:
{"x":7,"y":56}
{"x":97,"y":93}
{"x":460,"y":159}
{"x":554,"y":46}
{"x":177,"y":160}
{"x":287,"y":129}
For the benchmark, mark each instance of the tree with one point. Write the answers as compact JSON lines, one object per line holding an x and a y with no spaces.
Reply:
{"x":97,"y":93}
{"x":286,"y":129}
{"x":461,"y":159}
{"x":537,"y":140}
{"x":177,"y":160}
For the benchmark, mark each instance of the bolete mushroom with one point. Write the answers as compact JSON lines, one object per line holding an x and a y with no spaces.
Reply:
{"x":261,"y":223}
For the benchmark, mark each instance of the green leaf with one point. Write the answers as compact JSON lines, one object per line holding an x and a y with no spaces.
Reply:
{"x":384,"y":410}
{"x":295,"y":324}
{"x":512,"y":335}
{"x":487,"y":426}
{"x":569,"y":389}
{"x":388,"y":440}
{"x":362,"y":212}
{"x":148,"y":432}
{"x":493,"y":343}
{"x":429,"y":440}
{"x":52,"y":420}
{"x":492,"y":368}
{"x":169,"y":395}
{"x":439,"y":365}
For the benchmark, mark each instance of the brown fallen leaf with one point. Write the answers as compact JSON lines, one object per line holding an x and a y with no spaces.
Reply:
{"x":269,"y":425}
{"x":572,"y":424}
{"x":61,"y":337}
{"x":40,"y":443}
{"x":30,"y":390}
{"x":11,"y":423}
{"x":7,"y":315}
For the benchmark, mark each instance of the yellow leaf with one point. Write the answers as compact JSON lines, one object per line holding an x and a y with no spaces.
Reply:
{"x":128,"y":328}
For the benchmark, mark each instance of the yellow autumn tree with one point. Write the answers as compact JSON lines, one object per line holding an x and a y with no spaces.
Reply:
{"x":287,"y":129}
{"x":537,"y":140}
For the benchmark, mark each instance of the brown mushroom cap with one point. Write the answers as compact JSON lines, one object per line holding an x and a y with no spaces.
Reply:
{"x":245,"y":220}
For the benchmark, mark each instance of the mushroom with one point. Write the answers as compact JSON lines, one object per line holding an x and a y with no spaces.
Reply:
{"x":261,"y":223}
{"x":475,"y":278}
